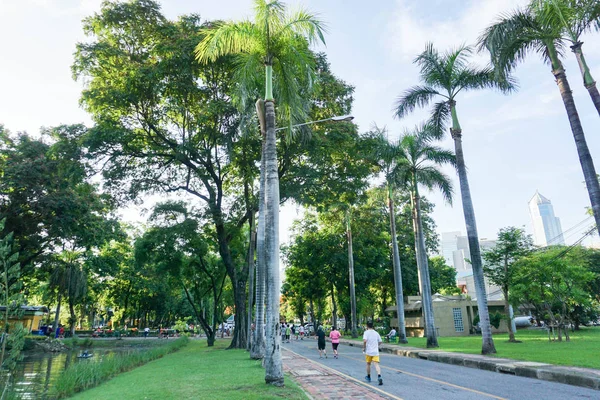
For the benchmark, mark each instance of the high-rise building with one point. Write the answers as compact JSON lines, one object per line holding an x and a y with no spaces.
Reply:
{"x":546,"y":226}
{"x":449,"y":245}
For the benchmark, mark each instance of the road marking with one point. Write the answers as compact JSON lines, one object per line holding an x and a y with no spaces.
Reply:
{"x":434,"y":380}
{"x":346,"y":376}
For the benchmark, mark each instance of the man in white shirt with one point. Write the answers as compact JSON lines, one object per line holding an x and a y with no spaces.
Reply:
{"x":371,"y":340}
{"x":392,"y":335}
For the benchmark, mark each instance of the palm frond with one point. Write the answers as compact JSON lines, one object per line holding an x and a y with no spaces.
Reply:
{"x":224,"y":38}
{"x":417,"y":96}
{"x":471,"y":78}
{"x":305,"y":24}
{"x":432,"y":178}
{"x":433,"y":71}
{"x":439,"y":119}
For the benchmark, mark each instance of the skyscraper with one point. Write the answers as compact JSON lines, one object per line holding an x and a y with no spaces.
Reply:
{"x":546,"y":226}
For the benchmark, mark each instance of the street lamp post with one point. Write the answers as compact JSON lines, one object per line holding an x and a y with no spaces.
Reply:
{"x":342,"y":118}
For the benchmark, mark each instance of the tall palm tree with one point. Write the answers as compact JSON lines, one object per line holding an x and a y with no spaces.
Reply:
{"x":351,"y":274}
{"x":509,"y":41}
{"x":419,"y":165}
{"x":444,"y":77}
{"x":386,"y":157}
{"x":573,"y":18}
{"x":279,"y":43}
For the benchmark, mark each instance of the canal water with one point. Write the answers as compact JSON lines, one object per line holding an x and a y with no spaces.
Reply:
{"x":35,"y":374}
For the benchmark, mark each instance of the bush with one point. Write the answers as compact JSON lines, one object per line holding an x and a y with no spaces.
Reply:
{"x":82,"y":376}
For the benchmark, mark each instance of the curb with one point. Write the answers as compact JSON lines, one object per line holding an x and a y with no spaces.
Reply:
{"x":575,"y":376}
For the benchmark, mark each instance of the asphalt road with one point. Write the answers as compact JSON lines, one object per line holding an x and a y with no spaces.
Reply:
{"x":409,"y":378}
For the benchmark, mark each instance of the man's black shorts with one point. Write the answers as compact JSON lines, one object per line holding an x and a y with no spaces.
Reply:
{"x":335,"y":345}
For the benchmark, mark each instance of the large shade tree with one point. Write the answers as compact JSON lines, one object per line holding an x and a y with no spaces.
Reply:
{"x":444,"y":76}
{"x":164,"y":123}
{"x":277,"y":42}
{"x":523,"y":32}
{"x":418,"y":165}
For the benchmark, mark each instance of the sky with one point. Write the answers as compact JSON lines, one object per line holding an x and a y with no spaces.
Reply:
{"x":513,"y":144}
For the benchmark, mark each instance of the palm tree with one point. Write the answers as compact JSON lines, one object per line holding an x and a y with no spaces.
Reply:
{"x":351,"y":274}
{"x":445,"y":76}
{"x":69,"y":280}
{"x":279,"y":43}
{"x":418,"y":165}
{"x":572,"y":18}
{"x":509,"y":41}
{"x":386,"y":157}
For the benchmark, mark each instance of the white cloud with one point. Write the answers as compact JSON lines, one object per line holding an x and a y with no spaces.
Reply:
{"x":408,"y":31}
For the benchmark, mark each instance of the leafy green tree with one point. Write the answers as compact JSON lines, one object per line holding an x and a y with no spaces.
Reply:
{"x":510,"y":41}
{"x":418,"y":164}
{"x":12,"y":299}
{"x":513,"y":243}
{"x":573,"y":18}
{"x":445,"y":76}
{"x":443,"y":277}
{"x":180,"y":250}
{"x":279,"y":43}
{"x":558,"y":279}
{"x":164,"y":123}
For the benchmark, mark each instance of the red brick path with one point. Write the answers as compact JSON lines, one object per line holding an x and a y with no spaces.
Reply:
{"x":324,"y":383}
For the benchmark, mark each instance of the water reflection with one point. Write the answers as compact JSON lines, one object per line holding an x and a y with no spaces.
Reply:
{"x":35,"y":374}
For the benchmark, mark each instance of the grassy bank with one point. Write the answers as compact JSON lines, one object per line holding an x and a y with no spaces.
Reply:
{"x":84,"y":375}
{"x":535,"y":346}
{"x":196,"y":372}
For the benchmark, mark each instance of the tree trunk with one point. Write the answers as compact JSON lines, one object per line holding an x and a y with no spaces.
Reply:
{"x":73,"y":318}
{"x":585,"y":158}
{"x":273,"y":363}
{"x":258,"y":345}
{"x":333,"y":308}
{"x":57,"y":316}
{"x":511,"y":333}
{"x":251,"y":267}
{"x":351,"y":273}
{"x":588,"y":80}
{"x":487,"y":346}
{"x":397,"y":271}
{"x":423,"y":268}
{"x":238,"y":284}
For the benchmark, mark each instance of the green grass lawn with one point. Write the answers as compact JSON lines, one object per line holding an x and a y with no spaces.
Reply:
{"x":581,"y":351}
{"x":196,"y":372}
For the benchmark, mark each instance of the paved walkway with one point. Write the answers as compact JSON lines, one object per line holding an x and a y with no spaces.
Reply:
{"x":321,"y":382}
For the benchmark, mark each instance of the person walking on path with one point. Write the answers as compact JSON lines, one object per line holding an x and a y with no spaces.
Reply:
{"x":283,"y":329}
{"x":371,"y":340}
{"x":294,"y":331}
{"x":335,"y":336}
{"x":301,"y":330}
{"x":321,"y":342}
{"x":288,"y":333}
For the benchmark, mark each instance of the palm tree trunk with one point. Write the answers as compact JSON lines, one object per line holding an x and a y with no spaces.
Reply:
{"x":258,"y":346}
{"x":333,"y":307}
{"x":423,"y":267}
{"x":73,"y":317}
{"x":397,"y":270}
{"x":273,"y":363}
{"x":57,"y":316}
{"x":585,"y":158}
{"x":487,"y":345}
{"x":351,"y":273}
{"x":588,"y":80}
{"x":251,"y":267}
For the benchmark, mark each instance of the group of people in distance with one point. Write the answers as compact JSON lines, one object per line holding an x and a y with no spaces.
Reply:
{"x":289,"y":331}
{"x":371,"y":341}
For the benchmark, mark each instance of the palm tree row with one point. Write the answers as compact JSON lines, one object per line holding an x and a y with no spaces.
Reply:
{"x":278,"y":44}
{"x":544,"y":27}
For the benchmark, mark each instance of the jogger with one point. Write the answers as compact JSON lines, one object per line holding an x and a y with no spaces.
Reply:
{"x":335,"y":336}
{"x":371,"y":340}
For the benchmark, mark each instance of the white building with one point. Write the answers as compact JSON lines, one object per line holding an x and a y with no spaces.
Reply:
{"x":546,"y":226}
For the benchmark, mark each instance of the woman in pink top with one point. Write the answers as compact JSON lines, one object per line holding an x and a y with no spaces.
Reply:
{"x":335,"y":336}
